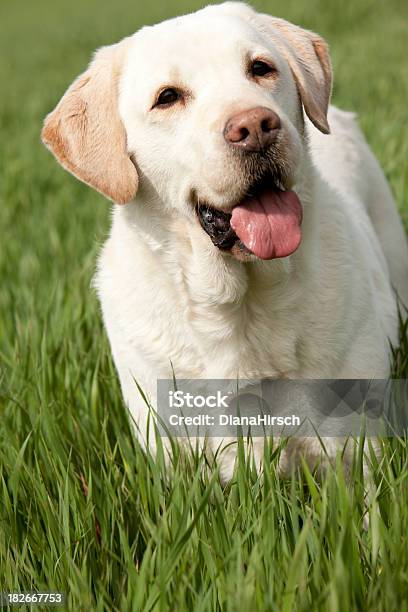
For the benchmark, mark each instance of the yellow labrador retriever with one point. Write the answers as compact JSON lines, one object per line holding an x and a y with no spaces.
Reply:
{"x":254,"y":233}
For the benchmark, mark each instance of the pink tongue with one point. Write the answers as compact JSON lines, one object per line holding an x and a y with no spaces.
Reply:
{"x":269,"y":223}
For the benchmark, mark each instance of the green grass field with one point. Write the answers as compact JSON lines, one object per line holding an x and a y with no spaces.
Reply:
{"x":82,"y":509}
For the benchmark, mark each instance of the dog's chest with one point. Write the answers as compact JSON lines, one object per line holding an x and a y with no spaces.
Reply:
{"x":248,"y":350}
{"x":248,"y":340}
{"x":199,"y":329}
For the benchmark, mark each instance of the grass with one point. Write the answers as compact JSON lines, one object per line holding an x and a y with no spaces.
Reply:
{"x":82,"y":509}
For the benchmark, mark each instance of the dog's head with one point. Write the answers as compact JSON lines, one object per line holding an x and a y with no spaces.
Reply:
{"x":204,"y":115}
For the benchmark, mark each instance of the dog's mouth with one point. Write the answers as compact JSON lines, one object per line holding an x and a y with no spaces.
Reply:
{"x":265,"y":222}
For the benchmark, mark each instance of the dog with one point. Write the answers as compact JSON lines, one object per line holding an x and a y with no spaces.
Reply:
{"x":254,"y":234}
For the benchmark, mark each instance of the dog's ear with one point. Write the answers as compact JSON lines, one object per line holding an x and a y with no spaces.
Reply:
{"x":86,"y":134}
{"x":309,"y":59}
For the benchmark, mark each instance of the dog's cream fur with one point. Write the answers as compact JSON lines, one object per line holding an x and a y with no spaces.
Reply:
{"x":173,"y":301}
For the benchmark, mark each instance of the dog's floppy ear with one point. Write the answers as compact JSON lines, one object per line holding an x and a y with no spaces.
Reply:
{"x":86,"y":134}
{"x":309,"y":59}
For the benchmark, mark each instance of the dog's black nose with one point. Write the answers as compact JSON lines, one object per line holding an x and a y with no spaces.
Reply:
{"x":252,"y":130}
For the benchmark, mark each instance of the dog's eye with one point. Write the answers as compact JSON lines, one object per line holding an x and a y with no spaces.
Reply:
{"x":260,"y":69}
{"x":167,"y":97}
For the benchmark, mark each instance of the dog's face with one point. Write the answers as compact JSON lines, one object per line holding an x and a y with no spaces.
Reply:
{"x":204,"y":114}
